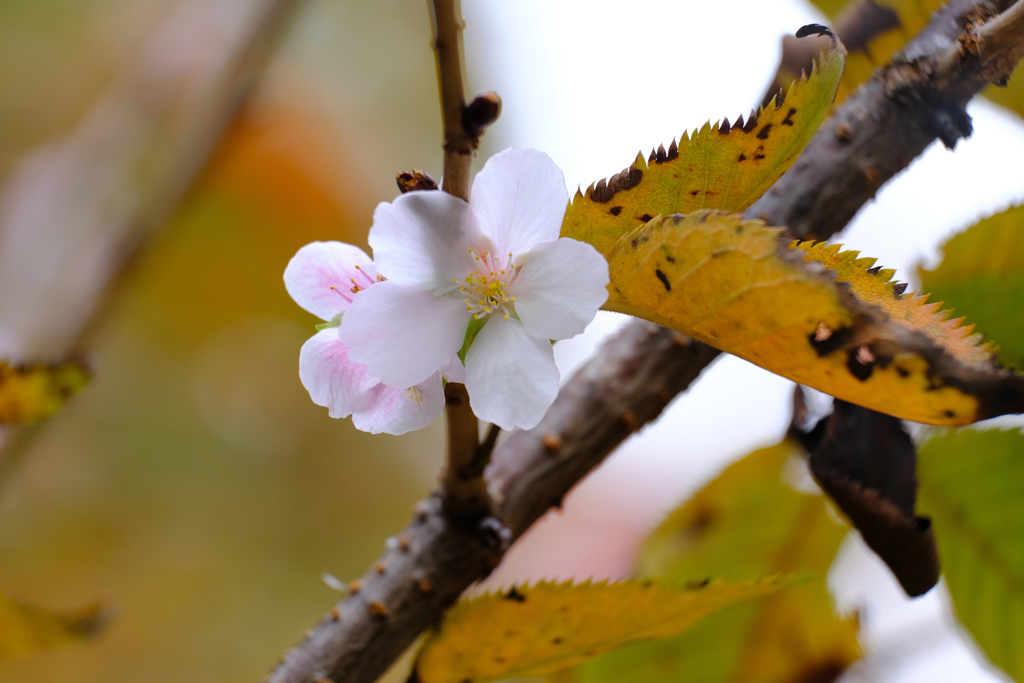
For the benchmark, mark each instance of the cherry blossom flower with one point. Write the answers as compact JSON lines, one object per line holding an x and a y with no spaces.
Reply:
{"x":495,"y":267}
{"x":324,"y":278}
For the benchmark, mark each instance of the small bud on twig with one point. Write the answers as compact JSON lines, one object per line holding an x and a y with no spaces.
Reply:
{"x":410,"y":181}
{"x":481,"y":113}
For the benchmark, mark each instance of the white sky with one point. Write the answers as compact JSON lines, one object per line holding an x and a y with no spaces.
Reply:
{"x":592,"y":82}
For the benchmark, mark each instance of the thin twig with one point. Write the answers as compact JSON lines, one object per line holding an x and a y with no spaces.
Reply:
{"x":486,"y":448}
{"x":464,"y":490}
{"x":626,"y":384}
{"x":459,"y":145}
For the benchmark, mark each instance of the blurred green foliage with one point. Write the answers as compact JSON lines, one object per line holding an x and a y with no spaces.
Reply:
{"x":982,"y":269}
{"x":971,"y":482}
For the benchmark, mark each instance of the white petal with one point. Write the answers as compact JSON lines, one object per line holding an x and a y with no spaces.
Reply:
{"x":321,"y":275}
{"x":403,"y":335}
{"x":455,"y":371}
{"x":511,"y":377}
{"x":519,"y":198}
{"x":397,"y":411}
{"x":331,"y":378}
{"x":422,"y":239}
{"x":560,"y":288}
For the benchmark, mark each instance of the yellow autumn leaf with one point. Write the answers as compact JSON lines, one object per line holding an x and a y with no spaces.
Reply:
{"x":809,"y":313}
{"x":33,"y":392}
{"x":719,"y":167}
{"x":24,"y":629}
{"x":748,"y":519}
{"x":542,"y":629}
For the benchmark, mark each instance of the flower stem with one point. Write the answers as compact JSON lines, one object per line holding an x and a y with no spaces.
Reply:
{"x":465,"y":492}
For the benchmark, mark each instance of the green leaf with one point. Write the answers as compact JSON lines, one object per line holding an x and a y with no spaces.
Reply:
{"x":970,"y":484}
{"x":24,"y":629}
{"x":982,"y":274}
{"x":809,"y":312}
{"x":29,"y":393}
{"x":542,"y":629}
{"x":719,"y":167}
{"x":746,"y":521}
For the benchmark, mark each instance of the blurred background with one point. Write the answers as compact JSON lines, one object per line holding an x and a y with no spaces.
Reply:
{"x":193,"y":486}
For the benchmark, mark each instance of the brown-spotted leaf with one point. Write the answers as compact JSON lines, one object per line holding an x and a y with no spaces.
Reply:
{"x":874,"y":285}
{"x":719,"y":167}
{"x":25,"y":629}
{"x":33,"y":392}
{"x":548,"y":627}
{"x":811,"y":314}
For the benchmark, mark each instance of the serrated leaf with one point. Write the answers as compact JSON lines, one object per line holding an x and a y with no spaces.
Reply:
{"x":970,"y":485}
{"x":875,"y":285}
{"x":732,"y":284}
{"x":746,"y":520}
{"x":29,"y":393}
{"x":982,"y":273}
{"x":719,"y":167}
{"x":542,"y":629}
{"x":24,"y":629}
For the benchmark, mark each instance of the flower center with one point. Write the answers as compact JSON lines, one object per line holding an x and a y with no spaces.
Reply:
{"x":486,"y":288}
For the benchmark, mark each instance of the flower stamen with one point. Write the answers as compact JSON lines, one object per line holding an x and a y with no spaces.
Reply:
{"x":487,"y":288}
{"x":343,"y":295}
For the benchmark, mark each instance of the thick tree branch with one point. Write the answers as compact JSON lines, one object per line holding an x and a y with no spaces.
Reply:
{"x":624,"y":386}
{"x":886,"y":123}
{"x":74,"y":212}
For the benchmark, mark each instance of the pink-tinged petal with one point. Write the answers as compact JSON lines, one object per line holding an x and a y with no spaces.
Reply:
{"x":511,"y":377}
{"x":321,"y":276}
{"x":403,"y":335}
{"x":519,"y":198}
{"x":397,"y":411}
{"x":331,"y":378}
{"x":347,"y":388}
{"x":560,"y":288}
{"x":422,"y":239}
